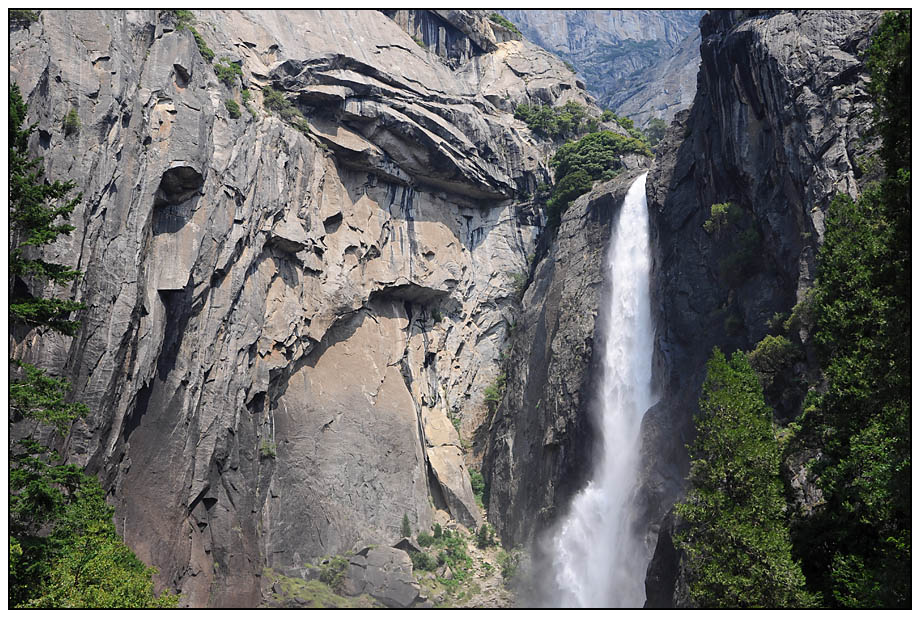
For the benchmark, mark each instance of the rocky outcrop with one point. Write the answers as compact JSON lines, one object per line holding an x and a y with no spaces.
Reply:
{"x":384,"y":573}
{"x":777,"y":128}
{"x":541,"y":434}
{"x":640,"y":63}
{"x":286,"y":309}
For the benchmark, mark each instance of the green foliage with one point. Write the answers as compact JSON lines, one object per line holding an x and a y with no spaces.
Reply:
{"x":419,"y":42}
{"x":203,"y":48}
{"x":23,"y":16}
{"x":803,"y":314}
{"x":772,"y":354}
{"x":183,"y":18}
{"x":89,"y":564}
{"x":518,"y":282}
{"x":424,"y":539}
{"x":556,"y":122}
{"x":42,"y":398}
{"x":888,"y":61}
{"x":246,"y":96}
{"x":423,"y":561}
{"x":34,"y":207}
{"x":311,"y":594}
{"x":485,"y":537}
{"x":233,"y":108}
{"x":859,"y":543}
{"x":737,"y":547}
{"x":64,"y":551}
{"x":332,"y":572}
{"x":578,"y":164}
{"x":455,"y":555}
{"x":267,"y":449}
{"x":776,"y":322}
{"x":508,"y":563}
{"x":504,"y":22}
{"x":595,"y":153}
{"x":478,"y":484}
{"x":494,"y":392}
{"x":862,"y":303}
{"x":228,"y":71}
{"x":71,"y":122}
{"x":721,"y":215}
{"x":564,"y":193}
{"x":656,"y":130}
{"x":569,"y":66}
{"x":405,"y":529}
{"x":627,"y":123}
{"x":274,"y":100}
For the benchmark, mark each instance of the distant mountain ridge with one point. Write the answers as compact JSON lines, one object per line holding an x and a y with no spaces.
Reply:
{"x":641,"y":63}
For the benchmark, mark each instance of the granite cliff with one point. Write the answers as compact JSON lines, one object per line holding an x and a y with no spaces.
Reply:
{"x":306,"y":260}
{"x":292,"y":308}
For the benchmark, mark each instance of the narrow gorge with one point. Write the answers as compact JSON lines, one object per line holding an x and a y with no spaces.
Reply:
{"x":383,"y":308}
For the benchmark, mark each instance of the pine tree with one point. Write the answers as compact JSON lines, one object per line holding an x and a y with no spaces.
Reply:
{"x":405,"y":529}
{"x":35,"y":207}
{"x":737,"y":551}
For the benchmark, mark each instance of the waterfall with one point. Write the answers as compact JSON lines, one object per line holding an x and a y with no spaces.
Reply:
{"x":600,"y":561}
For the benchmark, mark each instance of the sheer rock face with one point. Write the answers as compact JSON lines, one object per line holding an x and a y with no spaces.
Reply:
{"x":641,"y":63}
{"x":666,"y":87}
{"x":540,"y":447}
{"x":279,"y":325}
{"x":779,"y":121}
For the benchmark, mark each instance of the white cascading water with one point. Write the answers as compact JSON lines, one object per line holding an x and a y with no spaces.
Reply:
{"x":598,"y":561}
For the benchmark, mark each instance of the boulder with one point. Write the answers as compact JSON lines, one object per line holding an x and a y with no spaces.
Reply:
{"x":384,"y":573}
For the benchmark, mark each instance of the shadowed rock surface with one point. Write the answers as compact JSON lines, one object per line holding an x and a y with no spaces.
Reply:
{"x":779,"y":121}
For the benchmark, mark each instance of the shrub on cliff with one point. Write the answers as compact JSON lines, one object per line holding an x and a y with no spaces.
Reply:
{"x":578,"y":164}
{"x":556,"y":122}
{"x":405,"y":529}
{"x":504,"y":22}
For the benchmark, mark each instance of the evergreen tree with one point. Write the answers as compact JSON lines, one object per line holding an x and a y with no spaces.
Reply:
{"x":405,"y":529}
{"x":858,"y":545}
{"x":90,"y":565}
{"x":35,"y":207}
{"x":737,"y":551}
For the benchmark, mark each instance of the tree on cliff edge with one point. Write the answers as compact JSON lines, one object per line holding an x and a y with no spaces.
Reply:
{"x":63,"y":551}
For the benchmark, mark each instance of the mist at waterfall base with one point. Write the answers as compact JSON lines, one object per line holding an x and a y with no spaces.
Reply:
{"x":595,"y":556}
